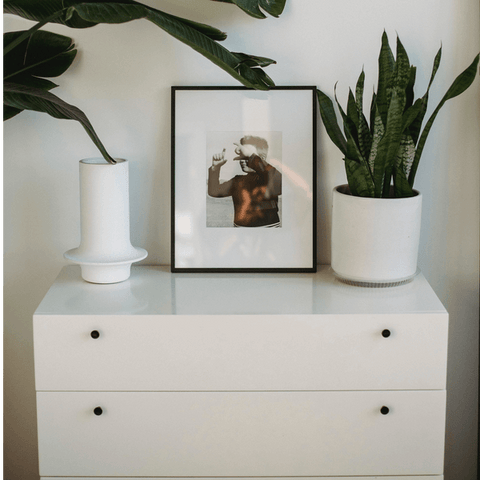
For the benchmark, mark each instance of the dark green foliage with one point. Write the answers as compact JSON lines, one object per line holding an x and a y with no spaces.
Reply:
{"x":389,"y":149}
{"x":32,"y":55}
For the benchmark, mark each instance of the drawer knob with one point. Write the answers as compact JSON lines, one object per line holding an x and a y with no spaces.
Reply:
{"x":386,"y":333}
{"x":384,"y":410}
{"x":97,"y":410}
{"x":95,"y":334}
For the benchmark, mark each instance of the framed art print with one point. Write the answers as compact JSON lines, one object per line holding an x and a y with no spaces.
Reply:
{"x":243,"y":179}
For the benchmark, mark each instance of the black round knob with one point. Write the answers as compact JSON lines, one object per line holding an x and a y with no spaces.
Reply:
{"x":386,"y":333}
{"x":97,"y":410}
{"x":95,"y":334}
{"x":384,"y":410}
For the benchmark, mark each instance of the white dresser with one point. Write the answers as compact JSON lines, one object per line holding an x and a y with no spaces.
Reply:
{"x":239,"y":375}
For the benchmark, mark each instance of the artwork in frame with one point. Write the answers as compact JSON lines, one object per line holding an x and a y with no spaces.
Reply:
{"x":243,"y":179}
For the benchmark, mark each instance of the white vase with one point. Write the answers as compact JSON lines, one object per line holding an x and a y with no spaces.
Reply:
{"x":375,"y":240}
{"x":105,"y":253}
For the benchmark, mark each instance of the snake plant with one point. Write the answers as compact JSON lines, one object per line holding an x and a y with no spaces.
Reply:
{"x":32,"y":56}
{"x":386,"y":148}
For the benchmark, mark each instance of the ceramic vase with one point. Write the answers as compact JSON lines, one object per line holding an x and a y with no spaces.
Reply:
{"x":375,"y":240}
{"x":105,"y":254}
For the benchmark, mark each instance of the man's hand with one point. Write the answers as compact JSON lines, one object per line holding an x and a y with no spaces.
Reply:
{"x":244,"y":151}
{"x":218,"y":160}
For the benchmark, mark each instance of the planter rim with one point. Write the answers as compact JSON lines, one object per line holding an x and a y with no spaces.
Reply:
{"x":346,"y":191}
{"x":101,"y":161}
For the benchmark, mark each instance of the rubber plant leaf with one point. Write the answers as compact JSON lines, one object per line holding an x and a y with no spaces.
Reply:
{"x":252,"y":7}
{"x":45,"y":54}
{"x":459,"y":85}
{"x":29,"y":98}
{"x":202,"y":38}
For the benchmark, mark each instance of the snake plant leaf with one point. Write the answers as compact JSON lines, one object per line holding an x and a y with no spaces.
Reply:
{"x":416,"y":125}
{"x":411,"y":84}
{"x":44,"y":54}
{"x":459,"y":85}
{"x":402,"y":188}
{"x":202,"y":38}
{"x":252,"y":7}
{"x":354,"y":153}
{"x":402,"y":72}
{"x":405,"y":154}
{"x":373,"y":111}
{"x":364,"y":135}
{"x":378,"y":133}
{"x":436,"y":65}
{"x":389,"y":144}
{"x":403,"y":163}
{"x":352,"y":111}
{"x":411,"y":114}
{"x":386,"y":66}
{"x":359,"y":179}
{"x":348,"y":123}
{"x":329,"y":118}
{"x":359,"y":91}
{"x":28,"y":98}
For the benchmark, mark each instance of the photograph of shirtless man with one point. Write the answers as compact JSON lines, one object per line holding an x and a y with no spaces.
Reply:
{"x":255,"y":191}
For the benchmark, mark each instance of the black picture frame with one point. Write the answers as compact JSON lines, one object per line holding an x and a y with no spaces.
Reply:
{"x":273,"y":203}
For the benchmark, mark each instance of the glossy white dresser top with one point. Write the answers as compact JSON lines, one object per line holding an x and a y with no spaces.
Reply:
{"x":156,"y":291}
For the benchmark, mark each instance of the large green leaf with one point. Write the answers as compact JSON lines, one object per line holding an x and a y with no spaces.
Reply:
{"x":28,"y":98}
{"x":460,"y":84}
{"x":252,"y":7}
{"x":200,"y":37}
{"x":44,"y":54}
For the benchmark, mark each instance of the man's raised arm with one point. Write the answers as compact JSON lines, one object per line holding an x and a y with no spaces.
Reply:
{"x":215,"y":187}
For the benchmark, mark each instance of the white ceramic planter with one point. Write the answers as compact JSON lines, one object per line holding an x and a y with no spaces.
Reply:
{"x":105,"y":253}
{"x":375,"y":240}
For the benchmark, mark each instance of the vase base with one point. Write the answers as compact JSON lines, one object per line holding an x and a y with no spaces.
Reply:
{"x":375,"y":283}
{"x":104,"y":271}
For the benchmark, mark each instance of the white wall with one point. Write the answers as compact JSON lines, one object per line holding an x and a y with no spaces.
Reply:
{"x":122,"y":80}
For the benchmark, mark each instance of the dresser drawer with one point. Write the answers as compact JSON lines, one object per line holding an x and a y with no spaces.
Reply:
{"x":240,"y":352}
{"x":416,"y":477}
{"x":221,"y":434}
